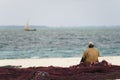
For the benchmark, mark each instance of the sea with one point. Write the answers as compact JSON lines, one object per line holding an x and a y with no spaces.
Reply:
{"x":62,"y":42}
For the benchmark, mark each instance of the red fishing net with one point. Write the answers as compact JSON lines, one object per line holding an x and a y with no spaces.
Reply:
{"x":83,"y":71}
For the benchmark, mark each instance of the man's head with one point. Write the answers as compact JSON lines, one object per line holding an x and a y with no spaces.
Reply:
{"x":91,"y":45}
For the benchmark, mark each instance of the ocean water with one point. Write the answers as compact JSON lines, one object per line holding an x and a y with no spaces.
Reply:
{"x":57,"y":42}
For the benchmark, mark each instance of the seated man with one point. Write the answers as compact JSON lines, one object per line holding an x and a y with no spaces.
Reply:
{"x":91,"y":54}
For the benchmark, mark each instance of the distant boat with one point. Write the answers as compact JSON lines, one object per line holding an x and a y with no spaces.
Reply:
{"x":27,"y":28}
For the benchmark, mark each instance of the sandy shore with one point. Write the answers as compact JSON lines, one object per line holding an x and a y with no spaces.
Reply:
{"x":61,"y":62}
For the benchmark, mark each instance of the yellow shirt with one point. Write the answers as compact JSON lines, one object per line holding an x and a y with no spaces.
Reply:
{"x":91,"y":55}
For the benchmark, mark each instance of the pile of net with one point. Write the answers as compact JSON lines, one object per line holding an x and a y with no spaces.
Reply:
{"x":83,"y":71}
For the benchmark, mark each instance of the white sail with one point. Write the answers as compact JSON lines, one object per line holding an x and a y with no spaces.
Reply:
{"x":27,"y":27}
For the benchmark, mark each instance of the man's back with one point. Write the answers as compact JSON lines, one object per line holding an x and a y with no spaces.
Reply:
{"x":91,"y":55}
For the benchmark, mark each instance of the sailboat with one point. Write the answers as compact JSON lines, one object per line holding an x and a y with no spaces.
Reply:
{"x":27,"y":28}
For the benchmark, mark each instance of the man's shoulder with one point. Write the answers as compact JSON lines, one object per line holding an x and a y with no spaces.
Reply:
{"x":96,"y":48}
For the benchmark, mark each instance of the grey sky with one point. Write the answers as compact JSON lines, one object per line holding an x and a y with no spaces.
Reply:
{"x":60,"y":12}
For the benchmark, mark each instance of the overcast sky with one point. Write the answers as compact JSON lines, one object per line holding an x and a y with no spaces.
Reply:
{"x":60,"y":12}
